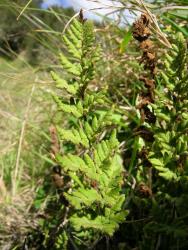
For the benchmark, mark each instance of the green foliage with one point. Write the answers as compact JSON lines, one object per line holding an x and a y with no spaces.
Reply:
{"x":155,"y":184}
{"x":95,"y":169}
{"x":170,"y":146}
{"x":168,"y":154}
{"x":105,"y":149}
{"x":62,"y":241}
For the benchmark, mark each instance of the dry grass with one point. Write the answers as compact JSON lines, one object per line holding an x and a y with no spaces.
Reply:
{"x":15,"y":218}
{"x":21,"y":118}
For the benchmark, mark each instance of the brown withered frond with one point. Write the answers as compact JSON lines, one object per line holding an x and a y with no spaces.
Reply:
{"x":141,"y":31}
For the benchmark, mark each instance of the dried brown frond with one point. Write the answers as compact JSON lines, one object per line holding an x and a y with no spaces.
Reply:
{"x":144,"y":100}
{"x":150,"y":84}
{"x":141,"y":31}
{"x":144,"y":190}
{"x":147,"y":45}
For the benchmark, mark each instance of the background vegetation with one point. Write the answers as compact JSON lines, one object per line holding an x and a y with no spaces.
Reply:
{"x":155,"y":198}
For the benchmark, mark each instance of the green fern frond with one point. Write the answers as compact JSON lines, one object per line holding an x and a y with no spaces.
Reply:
{"x":75,"y":136}
{"x":72,"y":68}
{"x":105,"y":224}
{"x":82,"y":197}
{"x":76,"y":110}
{"x":73,"y":47}
{"x":164,"y":172}
{"x":170,"y":108}
{"x":95,"y":197}
{"x":63,"y":84}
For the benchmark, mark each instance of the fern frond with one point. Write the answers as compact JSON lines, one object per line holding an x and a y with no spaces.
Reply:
{"x":77,"y":28}
{"x":73,"y":49}
{"x":164,"y":172}
{"x":63,"y":84}
{"x":105,"y":224}
{"x":89,"y":37}
{"x":76,"y":110}
{"x":72,"y":68}
{"x":83,"y":197}
{"x":170,"y":108}
{"x":95,"y":195}
{"x":74,"y":135}
{"x":75,"y":163}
